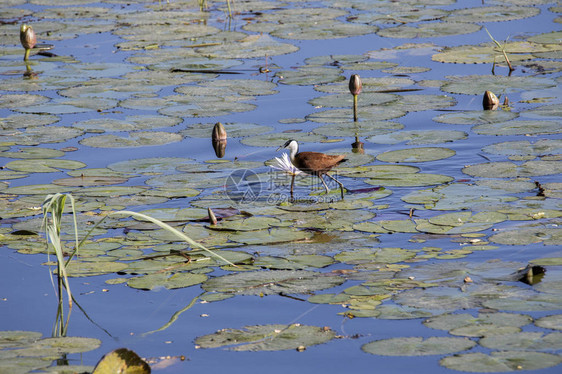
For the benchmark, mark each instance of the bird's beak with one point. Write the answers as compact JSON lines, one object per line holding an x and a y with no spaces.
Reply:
{"x":280,"y":148}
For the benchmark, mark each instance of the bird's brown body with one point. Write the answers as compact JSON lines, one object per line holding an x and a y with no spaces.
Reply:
{"x":316,"y":163}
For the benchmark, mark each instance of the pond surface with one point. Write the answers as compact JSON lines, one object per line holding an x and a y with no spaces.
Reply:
{"x":445,"y":203}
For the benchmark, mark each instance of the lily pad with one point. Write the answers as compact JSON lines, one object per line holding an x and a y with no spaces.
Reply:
{"x":500,"y":361}
{"x":524,"y":341}
{"x":418,"y":137}
{"x":511,"y":170}
{"x":272,"y":282}
{"x":519,"y":128}
{"x":477,"y":84}
{"x":416,"y":154}
{"x":135,"y":139}
{"x":418,"y":346}
{"x":267,"y":337}
{"x":167,"y":280}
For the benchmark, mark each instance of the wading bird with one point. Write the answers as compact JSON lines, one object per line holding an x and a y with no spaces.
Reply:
{"x":314,"y":163}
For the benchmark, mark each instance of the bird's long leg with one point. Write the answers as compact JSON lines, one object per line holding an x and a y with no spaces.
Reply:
{"x":338,"y":182}
{"x":324,"y":183}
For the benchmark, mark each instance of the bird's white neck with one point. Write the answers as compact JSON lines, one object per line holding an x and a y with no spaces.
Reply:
{"x":293,"y":148}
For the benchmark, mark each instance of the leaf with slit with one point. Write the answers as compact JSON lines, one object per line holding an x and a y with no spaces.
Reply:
{"x":550,"y":322}
{"x":88,"y":269}
{"x":151,"y":165}
{"x":86,"y":181}
{"x":372,"y":113}
{"x":452,"y":321}
{"x":233,"y":129}
{"x":70,"y":106}
{"x":523,"y":341}
{"x":56,"y":346}
{"x":328,"y":220}
{"x":329,"y":298}
{"x":529,"y":127}
{"x":11,"y":101}
{"x":293,"y":262}
{"x":497,"y":13}
{"x":475,"y":117}
{"x":365,"y":128}
{"x":524,"y":147}
{"x":488,"y":53}
{"x":267,"y":337}
{"x":477,"y":84}
{"x":415,"y":102}
{"x":451,"y":298}
{"x":429,"y":30}
{"x":419,"y":137}
{"x":14,"y":338}
{"x":310,"y":75}
{"x":43,"y":165}
{"x":130,"y":123}
{"x":409,"y":179}
{"x":18,"y":121}
{"x":423,"y":154}
{"x":550,"y":111}
{"x":548,"y":234}
{"x":504,"y":169}
{"x":271,"y":236}
{"x":32,"y":153}
{"x":246,"y":224}
{"x":503,"y":361}
{"x":418,"y":346}
{"x":272,"y":282}
{"x":378,"y":255}
{"x":102,"y":191}
{"x":252,"y":46}
{"x":278,"y":139}
{"x":36,"y":189}
{"x":40,"y":135}
{"x":166,"y":280}
{"x":396,"y":312}
{"x":135,"y":139}
{"x":9,"y":174}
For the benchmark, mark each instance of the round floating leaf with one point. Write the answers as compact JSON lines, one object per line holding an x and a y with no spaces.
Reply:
{"x":272,"y":282}
{"x":379,"y":255}
{"x":500,"y":361}
{"x":278,"y":139}
{"x":477,"y":84}
{"x":11,"y":101}
{"x":418,"y":346}
{"x":150,"y":165}
{"x":418,"y":137}
{"x":89,"y":181}
{"x":416,"y":154}
{"x":429,"y":30}
{"x":550,"y":322}
{"x":529,"y":234}
{"x":121,"y":360}
{"x":492,"y":13}
{"x":43,"y":165}
{"x":130,"y":123}
{"x":13,"y":339}
{"x":358,"y":129}
{"x":33,"y":153}
{"x":233,"y":130}
{"x":476,"y":117}
{"x":167,"y":280}
{"x":40,"y":135}
{"x":17,"y":121}
{"x":267,"y":337}
{"x":136,"y":139}
{"x":524,"y":147}
{"x":88,"y":269}
{"x":409,"y":179}
{"x":456,"y":320}
{"x":247,"y":224}
{"x":524,"y":341}
{"x":252,"y":46}
{"x":488,"y":53}
{"x":57,"y":346}
{"x":511,"y":170}
{"x":519,"y":128}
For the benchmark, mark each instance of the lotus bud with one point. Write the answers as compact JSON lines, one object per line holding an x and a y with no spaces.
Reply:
{"x":219,"y":133}
{"x":490,"y":101}
{"x":220,"y":147}
{"x":212,"y":217}
{"x":355,"y":85}
{"x":27,"y":39}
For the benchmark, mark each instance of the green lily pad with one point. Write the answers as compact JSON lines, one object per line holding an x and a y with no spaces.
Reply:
{"x":529,"y":234}
{"x":477,"y":84}
{"x":418,"y":346}
{"x":476,"y":117}
{"x":33,"y":153}
{"x":135,"y":139}
{"x":55,"y":346}
{"x":233,"y":130}
{"x":167,"y":280}
{"x":272,"y":282}
{"x":130,"y":123}
{"x":550,"y":322}
{"x":416,"y":154}
{"x":523,"y":341}
{"x":429,"y":30}
{"x":500,"y":361}
{"x":379,"y":255}
{"x":88,"y":269}
{"x":358,"y":129}
{"x":524,"y":147}
{"x":487,"y":53}
{"x":252,"y":46}
{"x":418,"y":137}
{"x":457,"y":320}
{"x":511,"y":170}
{"x":267,"y":337}
{"x":519,"y":128}
{"x":150,"y":165}
{"x":43,"y":165}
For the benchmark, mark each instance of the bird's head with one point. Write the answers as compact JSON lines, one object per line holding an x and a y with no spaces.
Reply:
{"x":289,"y":144}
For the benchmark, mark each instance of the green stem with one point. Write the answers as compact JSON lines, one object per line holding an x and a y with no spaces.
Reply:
{"x":355,"y":108}
{"x":26,"y":55}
